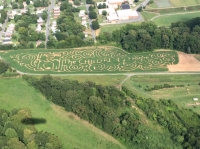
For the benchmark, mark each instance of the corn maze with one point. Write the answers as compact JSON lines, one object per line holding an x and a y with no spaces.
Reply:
{"x":93,"y":61}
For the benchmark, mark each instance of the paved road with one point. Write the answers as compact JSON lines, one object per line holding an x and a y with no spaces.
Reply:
{"x":90,"y":23}
{"x":4,"y":25}
{"x":143,"y":4}
{"x":49,"y":9}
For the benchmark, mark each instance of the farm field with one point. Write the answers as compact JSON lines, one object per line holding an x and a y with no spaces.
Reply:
{"x":177,"y":3}
{"x":99,"y":60}
{"x":183,"y":96}
{"x":73,"y":132}
{"x":166,"y":20}
{"x":162,"y":3}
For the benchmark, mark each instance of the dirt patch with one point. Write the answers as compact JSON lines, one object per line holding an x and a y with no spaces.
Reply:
{"x":97,"y":32}
{"x":162,"y":50}
{"x":187,"y":62}
{"x":194,"y":104}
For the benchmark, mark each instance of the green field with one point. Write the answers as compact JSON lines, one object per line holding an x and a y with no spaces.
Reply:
{"x":148,"y":15}
{"x":166,"y":20}
{"x":181,"y":95}
{"x":73,"y":132}
{"x":162,"y":3}
{"x":99,"y":60}
{"x":197,"y":56}
{"x":177,"y":3}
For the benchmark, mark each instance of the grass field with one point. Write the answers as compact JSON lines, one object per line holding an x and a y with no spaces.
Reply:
{"x":112,"y":27}
{"x":162,"y":3}
{"x":177,"y":3}
{"x":166,"y":20}
{"x":73,"y":132}
{"x":99,"y":60}
{"x":197,"y":56}
{"x":181,"y":95}
{"x":148,"y":15}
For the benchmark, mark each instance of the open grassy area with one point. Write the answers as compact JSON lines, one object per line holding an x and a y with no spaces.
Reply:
{"x":73,"y":132}
{"x":112,"y":27}
{"x":177,"y":3}
{"x":99,"y":60}
{"x":166,"y":20}
{"x":148,"y":15}
{"x":197,"y":56}
{"x":181,"y":95}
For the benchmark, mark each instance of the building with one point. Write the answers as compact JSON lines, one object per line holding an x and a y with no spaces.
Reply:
{"x":112,"y":18}
{"x":127,"y":14}
{"x":38,"y":28}
{"x":115,"y":2}
{"x":125,"y":6}
{"x":84,"y":23}
{"x":82,"y":13}
{"x":195,"y":99}
{"x":40,"y":21}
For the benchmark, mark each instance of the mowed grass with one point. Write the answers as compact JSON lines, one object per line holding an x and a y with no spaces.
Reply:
{"x":177,"y":3}
{"x":148,"y":15}
{"x":181,"y":95}
{"x":197,"y":56}
{"x":73,"y":132}
{"x":87,"y":61}
{"x":166,"y":20}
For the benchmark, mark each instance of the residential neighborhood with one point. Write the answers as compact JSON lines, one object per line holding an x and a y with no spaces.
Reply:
{"x":37,"y":20}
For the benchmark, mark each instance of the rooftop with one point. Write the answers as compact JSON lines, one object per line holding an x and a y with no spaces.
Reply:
{"x":125,"y":6}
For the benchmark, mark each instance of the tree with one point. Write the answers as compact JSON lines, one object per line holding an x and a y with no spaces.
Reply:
{"x":27,"y":2}
{"x":104,"y":12}
{"x":77,"y":2}
{"x":44,"y":15}
{"x":23,"y":31}
{"x":104,"y":5}
{"x":3,"y":66}
{"x":92,"y":15}
{"x":21,"y":6}
{"x":99,"y":6}
{"x":89,"y":1}
{"x":95,"y":25}
{"x":91,"y":8}
{"x":11,"y":133}
{"x":14,"y":6}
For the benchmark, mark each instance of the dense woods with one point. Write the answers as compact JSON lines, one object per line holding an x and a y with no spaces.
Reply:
{"x":18,"y":132}
{"x":183,"y":124}
{"x":182,"y":36}
{"x":109,"y":109}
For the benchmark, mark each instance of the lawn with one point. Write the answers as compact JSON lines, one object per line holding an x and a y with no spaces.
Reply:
{"x":96,"y":60}
{"x":181,"y":95}
{"x":166,"y":20}
{"x":112,"y":27}
{"x":148,"y":15}
{"x":177,"y":3}
{"x":197,"y":56}
{"x":73,"y":132}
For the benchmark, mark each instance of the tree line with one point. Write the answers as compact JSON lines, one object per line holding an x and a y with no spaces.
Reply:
{"x":105,"y":107}
{"x":17,"y":133}
{"x":182,"y":36}
{"x":183,"y":124}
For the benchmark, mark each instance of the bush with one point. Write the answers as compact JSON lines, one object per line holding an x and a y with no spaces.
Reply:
{"x":95,"y":25}
{"x":92,"y":15}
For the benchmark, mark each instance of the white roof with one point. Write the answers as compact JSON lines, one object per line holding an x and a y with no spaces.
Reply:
{"x":195,"y":99}
{"x":112,"y":17}
{"x":115,"y":1}
{"x":108,"y":10}
{"x":1,"y":7}
{"x":127,"y":13}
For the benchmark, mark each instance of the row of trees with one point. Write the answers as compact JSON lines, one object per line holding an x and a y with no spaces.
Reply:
{"x":3,"y":66}
{"x":157,"y":87}
{"x":183,"y":124}
{"x":182,"y":36}
{"x":93,"y":16}
{"x":105,"y":107}
{"x":15,"y":134}
{"x":3,"y":16}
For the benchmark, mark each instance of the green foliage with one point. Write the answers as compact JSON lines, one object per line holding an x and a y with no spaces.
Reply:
{"x":95,"y":25}
{"x":15,"y":135}
{"x":3,"y":66}
{"x":92,"y":15}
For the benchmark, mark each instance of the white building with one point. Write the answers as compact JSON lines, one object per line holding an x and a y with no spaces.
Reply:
{"x":82,"y":13}
{"x":112,"y":18}
{"x":127,"y":14}
{"x":38,"y":28}
{"x":40,"y":21}
{"x":114,"y":2}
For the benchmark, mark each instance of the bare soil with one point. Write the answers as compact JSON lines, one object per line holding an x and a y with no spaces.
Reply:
{"x":187,"y":62}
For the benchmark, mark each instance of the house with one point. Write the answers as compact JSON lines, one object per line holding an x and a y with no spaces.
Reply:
{"x":195,"y":99}
{"x":112,"y":18}
{"x":23,"y":11}
{"x":84,"y":23}
{"x":38,"y":43}
{"x":82,"y":13}
{"x":40,"y":21}
{"x":12,"y":14}
{"x":1,"y":7}
{"x":56,"y":8}
{"x":84,"y":18}
{"x":118,"y":2}
{"x":127,"y":14}
{"x":7,"y":40}
{"x":108,"y":10}
{"x":38,"y":28}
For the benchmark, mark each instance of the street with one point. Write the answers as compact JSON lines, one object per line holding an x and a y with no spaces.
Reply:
{"x":49,"y":9}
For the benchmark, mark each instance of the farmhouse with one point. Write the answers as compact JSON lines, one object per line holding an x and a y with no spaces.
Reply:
{"x":127,"y":14}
